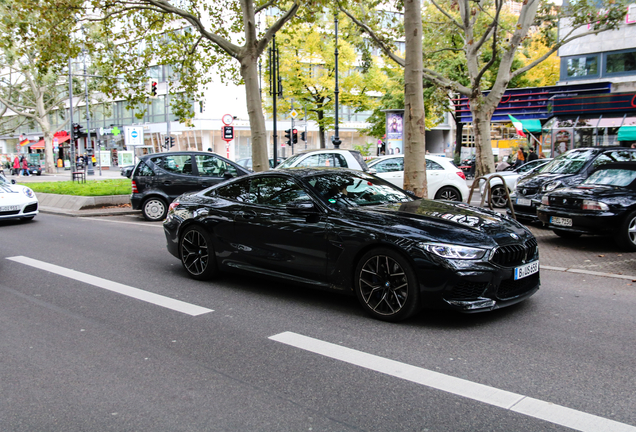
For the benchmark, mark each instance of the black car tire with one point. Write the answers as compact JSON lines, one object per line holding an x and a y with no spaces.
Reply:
{"x":566,"y":234}
{"x":154,"y":209}
{"x":499,"y":198}
{"x":197,"y":254}
{"x":448,"y":193}
{"x":386,"y":285}
{"x":626,"y":235}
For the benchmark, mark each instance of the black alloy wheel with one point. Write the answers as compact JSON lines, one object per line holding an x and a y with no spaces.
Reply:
{"x":499,"y":198}
{"x":448,"y":193}
{"x":626,"y":235}
{"x":566,"y":234}
{"x":154,"y":209}
{"x":386,"y":286}
{"x":197,"y":255}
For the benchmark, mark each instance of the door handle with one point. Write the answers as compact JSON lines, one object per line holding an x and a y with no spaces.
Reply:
{"x":247,"y":214}
{"x":167,"y":183}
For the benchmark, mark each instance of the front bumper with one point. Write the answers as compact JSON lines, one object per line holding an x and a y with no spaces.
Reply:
{"x":524,"y":211}
{"x":600,"y":223}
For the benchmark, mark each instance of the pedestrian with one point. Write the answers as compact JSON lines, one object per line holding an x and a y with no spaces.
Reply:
{"x":520,"y":158}
{"x":532,"y":155}
{"x":16,"y":166}
{"x":25,"y":167}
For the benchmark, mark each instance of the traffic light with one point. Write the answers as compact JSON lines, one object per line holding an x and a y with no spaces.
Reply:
{"x":77,"y":130}
{"x":153,"y":89}
{"x":295,"y":136}
{"x":288,"y":136}
{"x":166,"y":144}
{"x":171,"y":141}
{"x":303,"y":136}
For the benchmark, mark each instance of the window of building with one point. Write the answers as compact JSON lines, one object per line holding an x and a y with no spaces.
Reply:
{"x":621,"y":63}
{"x":581,"y":66}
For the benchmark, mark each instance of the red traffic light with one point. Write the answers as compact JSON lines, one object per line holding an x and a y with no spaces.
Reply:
{"x":295,"y":131}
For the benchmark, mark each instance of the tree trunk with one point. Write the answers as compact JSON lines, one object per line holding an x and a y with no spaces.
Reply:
{"x":249,"y":73}
{"x":321,"y":129}
{"x":414,"y":127}
{"x":484,"y":160}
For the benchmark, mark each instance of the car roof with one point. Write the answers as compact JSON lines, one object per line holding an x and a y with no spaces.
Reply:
{"x":617,"y":165}
{"x":327,"y":151}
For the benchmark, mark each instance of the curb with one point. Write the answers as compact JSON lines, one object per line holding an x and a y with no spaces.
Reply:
{"x":69,"y":202}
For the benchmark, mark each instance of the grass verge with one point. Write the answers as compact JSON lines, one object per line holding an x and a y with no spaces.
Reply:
{"x":90,"y":188}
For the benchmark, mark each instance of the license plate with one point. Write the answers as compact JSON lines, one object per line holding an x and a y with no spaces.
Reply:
{"x":9,"y":208}
{"x":524,"y":202}
{"x":554,"y":220}
{"x":526,"y":270}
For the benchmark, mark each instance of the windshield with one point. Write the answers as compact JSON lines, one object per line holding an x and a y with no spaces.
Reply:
{"x":569,"y":163}
{"x":352,"y":189}
{"x":611,"y":177}
{"x":290,"y":161}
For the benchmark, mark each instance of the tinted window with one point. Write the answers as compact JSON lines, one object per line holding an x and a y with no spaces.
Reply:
{"x":613,"y":156}
{"x":177,"y":164}
{"x":432,"y":165}
{"x":324,"y":159}
{"x":356,"y":190}
{"x":276,"y":191}
{"x":389,"y":165}
{"x":144,"y":170}
{"x":213,"y":166}
{"x":237,"y":191}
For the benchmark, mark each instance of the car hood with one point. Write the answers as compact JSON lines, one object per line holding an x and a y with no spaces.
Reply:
{"x":11,"y":194}
{"x":447,"y":221}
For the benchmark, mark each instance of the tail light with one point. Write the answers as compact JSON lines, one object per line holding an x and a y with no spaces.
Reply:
{"x":461,"y":174}
{"x":134,"y":187}
{"x":173,"y":205}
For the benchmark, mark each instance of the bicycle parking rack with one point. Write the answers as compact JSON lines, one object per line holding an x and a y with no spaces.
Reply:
{"x":488,"y":192}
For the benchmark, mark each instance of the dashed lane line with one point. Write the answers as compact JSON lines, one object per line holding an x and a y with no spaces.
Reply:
{"x":148,"y":297}
{"x":536,"y":408}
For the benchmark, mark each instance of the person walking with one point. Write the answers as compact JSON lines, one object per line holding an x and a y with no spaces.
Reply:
{"x":25,"y":167}
{"x":16,"y":166}
{"x":521,"y":159}
{"x":532,"y":155}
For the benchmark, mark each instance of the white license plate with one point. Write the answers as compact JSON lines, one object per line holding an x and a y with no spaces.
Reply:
{"x":524,"y":202}
{"x":9,"y":208}
{"x":567,"y":222}
{"x":526,"y":270}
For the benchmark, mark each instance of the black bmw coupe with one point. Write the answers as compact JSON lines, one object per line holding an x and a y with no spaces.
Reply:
{"x":348,"y":231}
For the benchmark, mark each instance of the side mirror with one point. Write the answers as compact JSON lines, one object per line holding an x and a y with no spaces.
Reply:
{"x":12,"y":181}
{"x":302,"y":207}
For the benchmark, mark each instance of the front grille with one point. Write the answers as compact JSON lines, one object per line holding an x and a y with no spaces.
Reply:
{"x":467,"y":290}
{"x":513,"y":255}
{"x":528,"y":190}
{"x":30,"y":208}
{"x":9,"y":213}
{"x":511,"y":288}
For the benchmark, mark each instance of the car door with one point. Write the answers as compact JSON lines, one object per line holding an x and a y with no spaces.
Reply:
{"x":434,"y":177}
{"x":391,"y":170}
{"x":174,"y":175}
{"x":212,"y":169}
{"x":272,"y":240}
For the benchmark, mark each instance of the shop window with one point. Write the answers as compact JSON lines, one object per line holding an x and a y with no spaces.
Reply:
{"x":621,"y":63}
{"x":581,"y":67}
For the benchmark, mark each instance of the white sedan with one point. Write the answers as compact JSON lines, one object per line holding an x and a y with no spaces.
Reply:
{"x":16,"y":201}
{"x":511,"y":177}
{"x":444,"y":180}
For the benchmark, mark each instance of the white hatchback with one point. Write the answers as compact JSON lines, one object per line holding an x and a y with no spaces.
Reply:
{"x":339,"y":158}
{"x":444,"y":180}
{"x":16,"y":201}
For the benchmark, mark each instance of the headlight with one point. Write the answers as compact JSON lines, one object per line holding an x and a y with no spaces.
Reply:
{"x":594,"y":205}
{"x":28,"y":192}
{"x":453,"y":251}
{"x":549,"y":187}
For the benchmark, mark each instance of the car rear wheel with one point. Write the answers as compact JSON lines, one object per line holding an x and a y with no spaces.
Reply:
{"x":499,"y":198}
{"x":154,"y":209}
{"x":448,"y":193}
{"x":626,"y":235}
{"x":386,"y":285}
{"x":197,"y":254}
{"x":567,"y":234}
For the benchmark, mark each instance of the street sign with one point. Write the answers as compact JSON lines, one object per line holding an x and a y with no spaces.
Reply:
{"x":227,"y":119}
{"x":228,"y":133}
{"x":134,"y":135}
{"x":293,"y":114}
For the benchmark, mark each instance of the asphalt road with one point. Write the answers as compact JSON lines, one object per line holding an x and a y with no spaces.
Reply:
{"x":84,"y":346}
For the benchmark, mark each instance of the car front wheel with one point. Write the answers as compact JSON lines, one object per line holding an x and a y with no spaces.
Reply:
{"x":154,"y":209}
{"x":448,"y":193}
{"x":499,"y":198}
{"x":626,"y":235}
{"x":386,"y":285}
{"x":197,"y":254}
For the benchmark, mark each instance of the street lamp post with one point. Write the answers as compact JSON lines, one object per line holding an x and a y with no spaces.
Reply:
{"x":336,"y":139}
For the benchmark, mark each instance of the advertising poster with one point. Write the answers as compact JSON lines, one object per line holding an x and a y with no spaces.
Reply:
{"x":394,"y":130}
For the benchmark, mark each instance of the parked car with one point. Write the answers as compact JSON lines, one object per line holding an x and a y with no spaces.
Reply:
{"x":17,"y":201}
{"x":247,"y":162}
{"x":511,"y":177}
{"x":35,"y":169}
{"x":444,"y":180}
{"x":605,"y":204}
{"x":126,"y":170}
{"x":159,"y":178}
{"x":339,"y":158}
{"x":352,"y":232}
{"x":568,"y":169}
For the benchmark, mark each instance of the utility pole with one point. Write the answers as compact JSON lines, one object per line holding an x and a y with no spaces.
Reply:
{"x":336,"y":139}
{"x":89,"y":158}
{"x":70,"y":106}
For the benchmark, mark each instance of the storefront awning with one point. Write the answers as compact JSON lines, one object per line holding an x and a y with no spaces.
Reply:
{"x":38,"y":145}
{"x":532,"y":126}
{"x":627,"y":133}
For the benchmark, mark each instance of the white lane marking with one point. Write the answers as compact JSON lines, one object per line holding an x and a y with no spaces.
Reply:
{"x":536,"y":408}
{"x":159,"y":300}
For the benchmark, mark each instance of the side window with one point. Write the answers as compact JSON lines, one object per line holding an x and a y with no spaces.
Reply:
{"x":315,"y":160}
{"x":144,"y":170}
{"x":237,"y":191}
{"x":340,"y":161}
{"x":390,"y":165}
{"x":212,"y":166}
{"x":177,"y":164}
{"x":276,"y":191}
{"x":432,"y":165}
{"x":613,"y":156}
